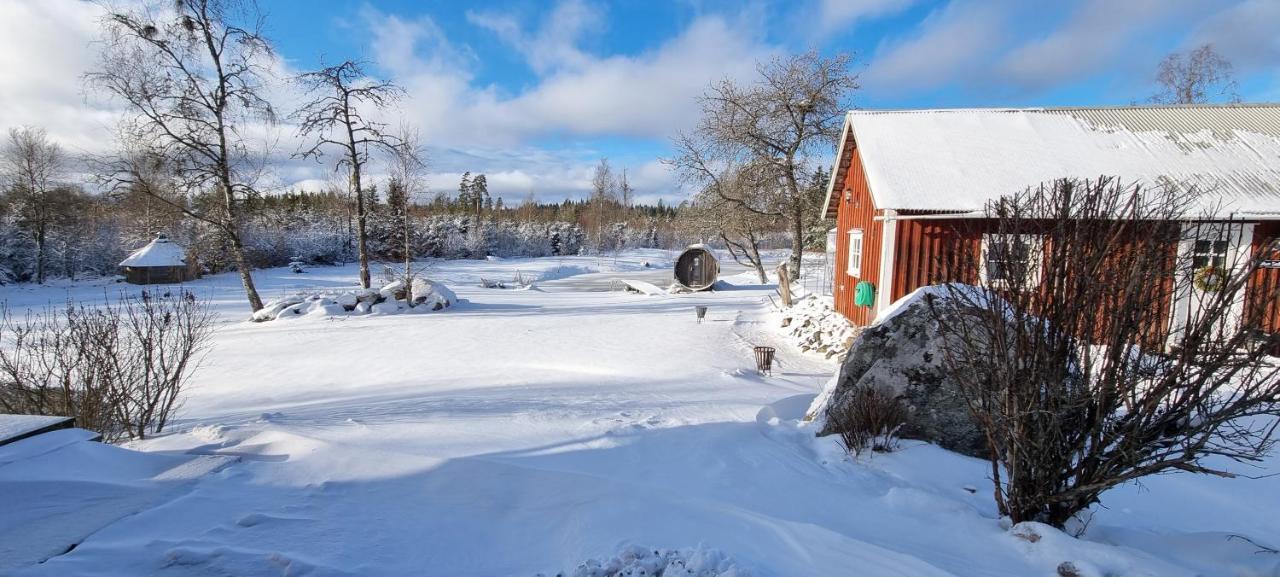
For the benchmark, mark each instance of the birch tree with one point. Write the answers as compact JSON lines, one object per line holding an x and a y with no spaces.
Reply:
{"x":408,"y":162}
{"x":191,"y":74}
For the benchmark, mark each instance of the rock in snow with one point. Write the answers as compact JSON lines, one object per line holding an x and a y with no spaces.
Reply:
{"x":427,"y":296}
{"x":903,"y":352}
{"x":637,"y":561}
{"x":816,"y":327}
{"x":431,"y":294}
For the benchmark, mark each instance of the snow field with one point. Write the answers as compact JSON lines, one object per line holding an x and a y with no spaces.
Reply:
{"x":526,"y":432}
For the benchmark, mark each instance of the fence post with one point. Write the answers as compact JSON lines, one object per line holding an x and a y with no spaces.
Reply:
{"x":784,"y":285}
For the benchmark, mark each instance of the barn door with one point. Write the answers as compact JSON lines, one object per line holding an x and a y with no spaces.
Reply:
{"x":1207,"y":249}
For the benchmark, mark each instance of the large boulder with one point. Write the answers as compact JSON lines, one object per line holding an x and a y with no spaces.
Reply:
{"x":432,"y":295}
{"x":903,"y":353}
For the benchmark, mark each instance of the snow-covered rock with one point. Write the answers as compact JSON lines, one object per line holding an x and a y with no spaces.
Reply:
{"x":427,"y":296}
{"x":431,"y":295}
{"x":393,"y":290}
{"x":272,"y":309}
{"x":903,"y":352}
{"x":635,"y":561}
{"x":815,"y":326}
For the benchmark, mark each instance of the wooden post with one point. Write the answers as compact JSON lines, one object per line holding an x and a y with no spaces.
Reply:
{"x":784,"y":285}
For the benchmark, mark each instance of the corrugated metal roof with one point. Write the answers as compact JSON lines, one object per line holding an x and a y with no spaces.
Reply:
{"x":959,"y":159}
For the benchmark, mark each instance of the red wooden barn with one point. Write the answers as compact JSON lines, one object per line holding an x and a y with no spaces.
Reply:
{"x":906,"y":181}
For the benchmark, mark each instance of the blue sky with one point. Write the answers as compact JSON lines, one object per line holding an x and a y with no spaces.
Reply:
{"x":534,"y":92}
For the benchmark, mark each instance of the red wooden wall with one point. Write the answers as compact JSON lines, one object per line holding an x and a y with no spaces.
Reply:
{"x":856,"y":210}
{"x":1264,"y":306}
{"x":922,"y":248}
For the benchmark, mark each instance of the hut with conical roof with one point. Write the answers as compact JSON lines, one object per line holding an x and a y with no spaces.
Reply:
{"x":162,"y":261}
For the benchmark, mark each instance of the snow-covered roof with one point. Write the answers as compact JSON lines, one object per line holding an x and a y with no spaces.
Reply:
{"x":159,"y":252}
{"x":959,"y":159}
{"x":14,"y":426}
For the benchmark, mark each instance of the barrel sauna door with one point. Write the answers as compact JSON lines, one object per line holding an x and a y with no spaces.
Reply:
{"x":697,"y":272}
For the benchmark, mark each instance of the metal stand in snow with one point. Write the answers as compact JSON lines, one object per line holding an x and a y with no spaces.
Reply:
{"x":764,"y":360}
{"x":702,"y":312}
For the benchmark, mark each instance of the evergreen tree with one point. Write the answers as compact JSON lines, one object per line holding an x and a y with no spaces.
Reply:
{"x":480,"y":194}
{"x":465,"y":189}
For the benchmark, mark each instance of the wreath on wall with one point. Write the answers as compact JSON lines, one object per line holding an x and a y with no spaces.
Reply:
{"x":1210,"y":278}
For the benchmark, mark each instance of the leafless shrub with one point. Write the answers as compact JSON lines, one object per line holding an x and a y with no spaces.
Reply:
{"x":1099,"y":351}
{"x":118,"y":368}
{"x":871,"y":421}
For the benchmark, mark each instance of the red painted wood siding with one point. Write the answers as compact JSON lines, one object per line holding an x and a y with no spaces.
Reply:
{"x":921,"y":250}
{"x":855,"y":210}
{"x":1262,"y":300}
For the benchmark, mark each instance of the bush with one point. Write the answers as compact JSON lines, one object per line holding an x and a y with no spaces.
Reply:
{"x":1072,"y":365}
{"x":118,"y":368}
{"x":870,"y":421}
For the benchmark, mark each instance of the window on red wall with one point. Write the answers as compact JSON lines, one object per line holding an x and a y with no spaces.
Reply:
{"x":855,"y":253}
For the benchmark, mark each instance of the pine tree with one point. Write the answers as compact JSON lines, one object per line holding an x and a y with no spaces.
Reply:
{"x":465,"y":192}
{"x":480,"y":194}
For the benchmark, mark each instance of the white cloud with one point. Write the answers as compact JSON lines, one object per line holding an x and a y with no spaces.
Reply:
{"x":556,"y":42}
{"x":45,"y":48}
{"x":1100,"y":37}
{"x":952,"y":42}
{"x":1246,"y":34}
{"x":833,"y":16}
{"x":1090,"y":41}
{"x":650,"y":95}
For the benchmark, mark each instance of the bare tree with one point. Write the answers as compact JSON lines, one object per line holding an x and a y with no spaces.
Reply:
{"x":192,"y":74}
{"x":32,"y":165}
{"x":792,"y":111}
{"x":625,"y":190}
{"x":1199,"y":76}
{"x":1067,"y":356}
{"x":408,"y":161}
{"x":604,"y":195}
{"x":337,"y":118}
{"x":734,"y":223}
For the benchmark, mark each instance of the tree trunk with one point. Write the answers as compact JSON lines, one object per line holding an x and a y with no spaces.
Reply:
{"x":797,"y":239}
{"x":40,"y":236}
{"x":361,"y":233}
{"x":230,"y":227}
{"x":408,"y":254}
{"x":242,"y":265}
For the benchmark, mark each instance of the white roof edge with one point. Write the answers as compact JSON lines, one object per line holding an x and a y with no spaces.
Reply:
{"x":862,"y":111}
{"x":835,"y":165}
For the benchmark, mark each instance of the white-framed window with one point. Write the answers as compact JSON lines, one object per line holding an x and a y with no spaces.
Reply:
{"x":1011,"y":260}
{"x":855,"y":253}
{"x":1209,"y":252}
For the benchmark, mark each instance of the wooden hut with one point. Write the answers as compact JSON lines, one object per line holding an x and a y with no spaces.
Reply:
{"x":697,"y":268}
{"x":160,"y":262}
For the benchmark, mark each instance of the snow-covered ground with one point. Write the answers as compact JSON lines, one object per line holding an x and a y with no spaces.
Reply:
{"x":527,"y":431}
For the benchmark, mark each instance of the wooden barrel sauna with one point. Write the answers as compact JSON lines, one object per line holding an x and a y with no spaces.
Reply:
{"x":697,"y":268}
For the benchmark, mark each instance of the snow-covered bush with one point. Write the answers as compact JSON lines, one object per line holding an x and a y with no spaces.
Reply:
{"x":637,"y":561}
